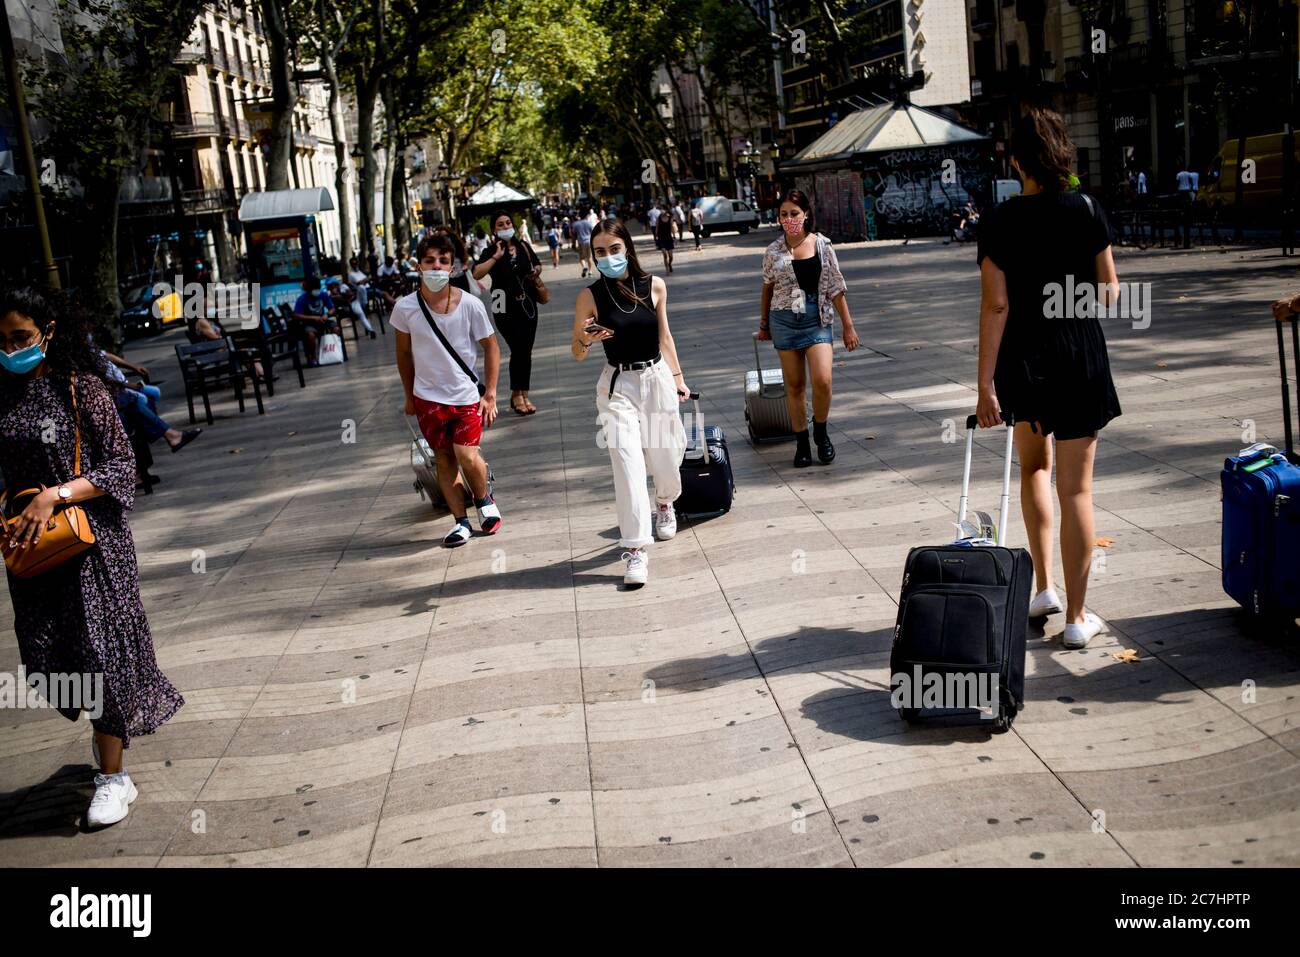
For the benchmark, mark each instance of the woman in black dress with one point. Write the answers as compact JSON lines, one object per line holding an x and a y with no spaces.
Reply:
{"x":1044,"y":364}
{"x":84,"y":616}
{"x":510,"y":261}
{"x":664,"y":237}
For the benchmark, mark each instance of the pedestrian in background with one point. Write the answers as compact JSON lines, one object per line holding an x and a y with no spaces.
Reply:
{"x":664,"y":238}
{"x":1051,"y":374}
{"x":803,"y":290}
{"x":511,"y":262}
{"x":697,"y":223}
{"x":84,"y":616}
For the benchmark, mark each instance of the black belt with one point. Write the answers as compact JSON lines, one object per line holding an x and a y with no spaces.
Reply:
{"x":629,"y":367}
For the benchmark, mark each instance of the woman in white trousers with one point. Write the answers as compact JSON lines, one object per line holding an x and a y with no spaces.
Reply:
{"x":626,"y":311}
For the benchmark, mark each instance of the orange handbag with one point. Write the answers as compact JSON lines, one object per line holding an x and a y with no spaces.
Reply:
{"x":67,"y":533}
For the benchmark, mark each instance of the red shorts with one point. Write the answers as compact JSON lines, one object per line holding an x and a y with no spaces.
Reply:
{"x":445,"y":425}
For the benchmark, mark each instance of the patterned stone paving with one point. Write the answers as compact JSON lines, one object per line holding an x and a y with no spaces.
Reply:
{"x":512,"y":705}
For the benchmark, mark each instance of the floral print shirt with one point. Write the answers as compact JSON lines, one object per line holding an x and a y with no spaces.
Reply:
{"x":778,"y":271}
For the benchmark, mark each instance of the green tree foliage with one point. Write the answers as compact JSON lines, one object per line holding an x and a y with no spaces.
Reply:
{"x":99,"y":99}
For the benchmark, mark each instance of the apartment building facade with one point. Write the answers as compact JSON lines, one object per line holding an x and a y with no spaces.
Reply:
{"x":1149,"y":85}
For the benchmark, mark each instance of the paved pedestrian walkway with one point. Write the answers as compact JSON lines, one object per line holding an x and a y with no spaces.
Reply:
{"x":358,"y":695}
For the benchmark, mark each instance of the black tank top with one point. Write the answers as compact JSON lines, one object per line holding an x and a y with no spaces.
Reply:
{"x":636,"y":327}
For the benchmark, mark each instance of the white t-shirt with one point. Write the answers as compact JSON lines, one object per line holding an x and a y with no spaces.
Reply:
{"x":356,"y":277}
{"x":697,"y":216}
{"x":653,"y":216}
{"x":1184,"y":180}
{"x":437,"y":376}
{"x":387,"y":270}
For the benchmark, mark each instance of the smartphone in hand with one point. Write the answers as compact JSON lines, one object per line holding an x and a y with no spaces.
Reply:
{"x":595,"y":328}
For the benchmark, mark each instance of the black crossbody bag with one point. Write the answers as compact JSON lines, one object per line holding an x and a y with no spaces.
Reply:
{"x":447,"y":345}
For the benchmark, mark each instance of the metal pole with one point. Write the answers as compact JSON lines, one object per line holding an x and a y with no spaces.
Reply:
{"x":19,"y":105}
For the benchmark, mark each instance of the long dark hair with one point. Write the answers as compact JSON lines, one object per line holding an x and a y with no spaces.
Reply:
{"x":1041,"y":145}
{"x":624,"y":289}
{"x":69,"y":349}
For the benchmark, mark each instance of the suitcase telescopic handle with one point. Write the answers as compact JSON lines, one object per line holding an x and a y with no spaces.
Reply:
{"x":972,"y":423}
{"x":1286,"y":385}
{"x":699,"y":426}
{"x":758,"y":363}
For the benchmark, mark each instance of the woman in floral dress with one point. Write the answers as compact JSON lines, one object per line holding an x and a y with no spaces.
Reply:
{"x":84,"y":616}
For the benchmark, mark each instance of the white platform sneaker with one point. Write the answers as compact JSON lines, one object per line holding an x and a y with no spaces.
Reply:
{"x":114,"y":794}
{"x":638,"y":567}
{"x":665,"y":522}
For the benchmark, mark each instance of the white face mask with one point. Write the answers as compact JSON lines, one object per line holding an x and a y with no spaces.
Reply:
{"x":505,"y":234}
{"x":435,"y":280}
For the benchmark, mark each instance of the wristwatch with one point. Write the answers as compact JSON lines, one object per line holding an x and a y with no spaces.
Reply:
{"x":64,"y":493}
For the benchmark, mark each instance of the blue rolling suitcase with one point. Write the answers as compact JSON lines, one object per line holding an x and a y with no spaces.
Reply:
{"x":1261,"y":517}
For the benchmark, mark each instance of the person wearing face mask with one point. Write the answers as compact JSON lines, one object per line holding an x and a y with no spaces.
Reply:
{"x":461,"y":277}
{"x":510,"y":262}
{"x":803,"y":289}
{"x":314,"y":312}
{"x":60,"y":432}
{"x":638,"y":390}
{"x":439,"y":328}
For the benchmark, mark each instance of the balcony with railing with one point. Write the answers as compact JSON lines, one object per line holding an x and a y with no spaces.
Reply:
{"x":137,"y":188}
{"x":203,"y":200}
{"x":194,"y":125}
{"x":189,"y":55}
{"x":219,"y":59}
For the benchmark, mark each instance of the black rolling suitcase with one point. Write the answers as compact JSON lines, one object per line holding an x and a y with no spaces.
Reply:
{"x":959,"y":641}
{"x":707,"y":483}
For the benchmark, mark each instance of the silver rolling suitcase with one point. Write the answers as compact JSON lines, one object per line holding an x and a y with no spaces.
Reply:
{"x":425,"y":466}
{"x":766,"y":413}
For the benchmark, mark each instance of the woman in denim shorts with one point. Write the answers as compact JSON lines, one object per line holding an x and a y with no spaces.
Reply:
{"x":803,"y":289}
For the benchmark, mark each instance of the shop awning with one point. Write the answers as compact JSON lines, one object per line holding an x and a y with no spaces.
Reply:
{"x":880,"y":129}
{"x":284,"y":203}
{"x":497,"y":193}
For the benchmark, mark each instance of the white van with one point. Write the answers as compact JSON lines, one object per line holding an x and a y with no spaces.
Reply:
{"x":723,"y":214}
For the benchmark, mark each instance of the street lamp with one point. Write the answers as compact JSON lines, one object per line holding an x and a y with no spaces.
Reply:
{"x":750,"y":154}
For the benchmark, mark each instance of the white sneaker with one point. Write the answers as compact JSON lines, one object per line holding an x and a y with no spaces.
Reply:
{"x":112,"y":801}
{"x":638,"y":567}
{"x":1077,"y":636}
{"x":1045,"y":603}
{"x":665,"y":522}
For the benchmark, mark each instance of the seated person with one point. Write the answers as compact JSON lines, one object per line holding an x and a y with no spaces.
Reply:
{"x":360,"y":284}
{"x":139,"y":398}
{"x":199,"y":328}
{"x":314,"y":312}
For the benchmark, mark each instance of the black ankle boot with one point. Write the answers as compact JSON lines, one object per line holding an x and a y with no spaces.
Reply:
{"x":802,"y":453}
{"x":825,"y":451}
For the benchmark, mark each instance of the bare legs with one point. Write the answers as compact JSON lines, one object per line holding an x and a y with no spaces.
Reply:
{"x":819,"y":359}
{"x":110,"y":753}
{"x":1074,"y":462}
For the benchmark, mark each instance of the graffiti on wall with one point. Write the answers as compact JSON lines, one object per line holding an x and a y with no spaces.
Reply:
{"x":914,"y":191}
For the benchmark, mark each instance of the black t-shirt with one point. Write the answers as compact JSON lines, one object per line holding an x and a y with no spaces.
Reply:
{"x":636,"y":326}
{"x":509,"y":271}
{"x":1052,"y":364}
{"x":1038,"y":240}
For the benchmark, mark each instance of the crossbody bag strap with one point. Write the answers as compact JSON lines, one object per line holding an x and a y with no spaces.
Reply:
{"x":447,"y":345}
{"x":76,"y":423}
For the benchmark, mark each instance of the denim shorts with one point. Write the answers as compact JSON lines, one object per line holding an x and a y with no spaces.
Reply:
{"x":793,"y":331}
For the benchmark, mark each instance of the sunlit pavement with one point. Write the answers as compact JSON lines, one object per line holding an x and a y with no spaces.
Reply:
{"x":356,"y":694}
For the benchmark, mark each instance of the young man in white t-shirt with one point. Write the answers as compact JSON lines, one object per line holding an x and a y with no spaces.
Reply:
{"x":439,"y":393}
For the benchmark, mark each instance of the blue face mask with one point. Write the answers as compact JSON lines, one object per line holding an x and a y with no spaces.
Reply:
{"x":24,"y":360}
{"x":612,"y":267}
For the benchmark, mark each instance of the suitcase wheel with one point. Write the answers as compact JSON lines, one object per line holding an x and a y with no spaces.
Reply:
{"x":1002,"y":723}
